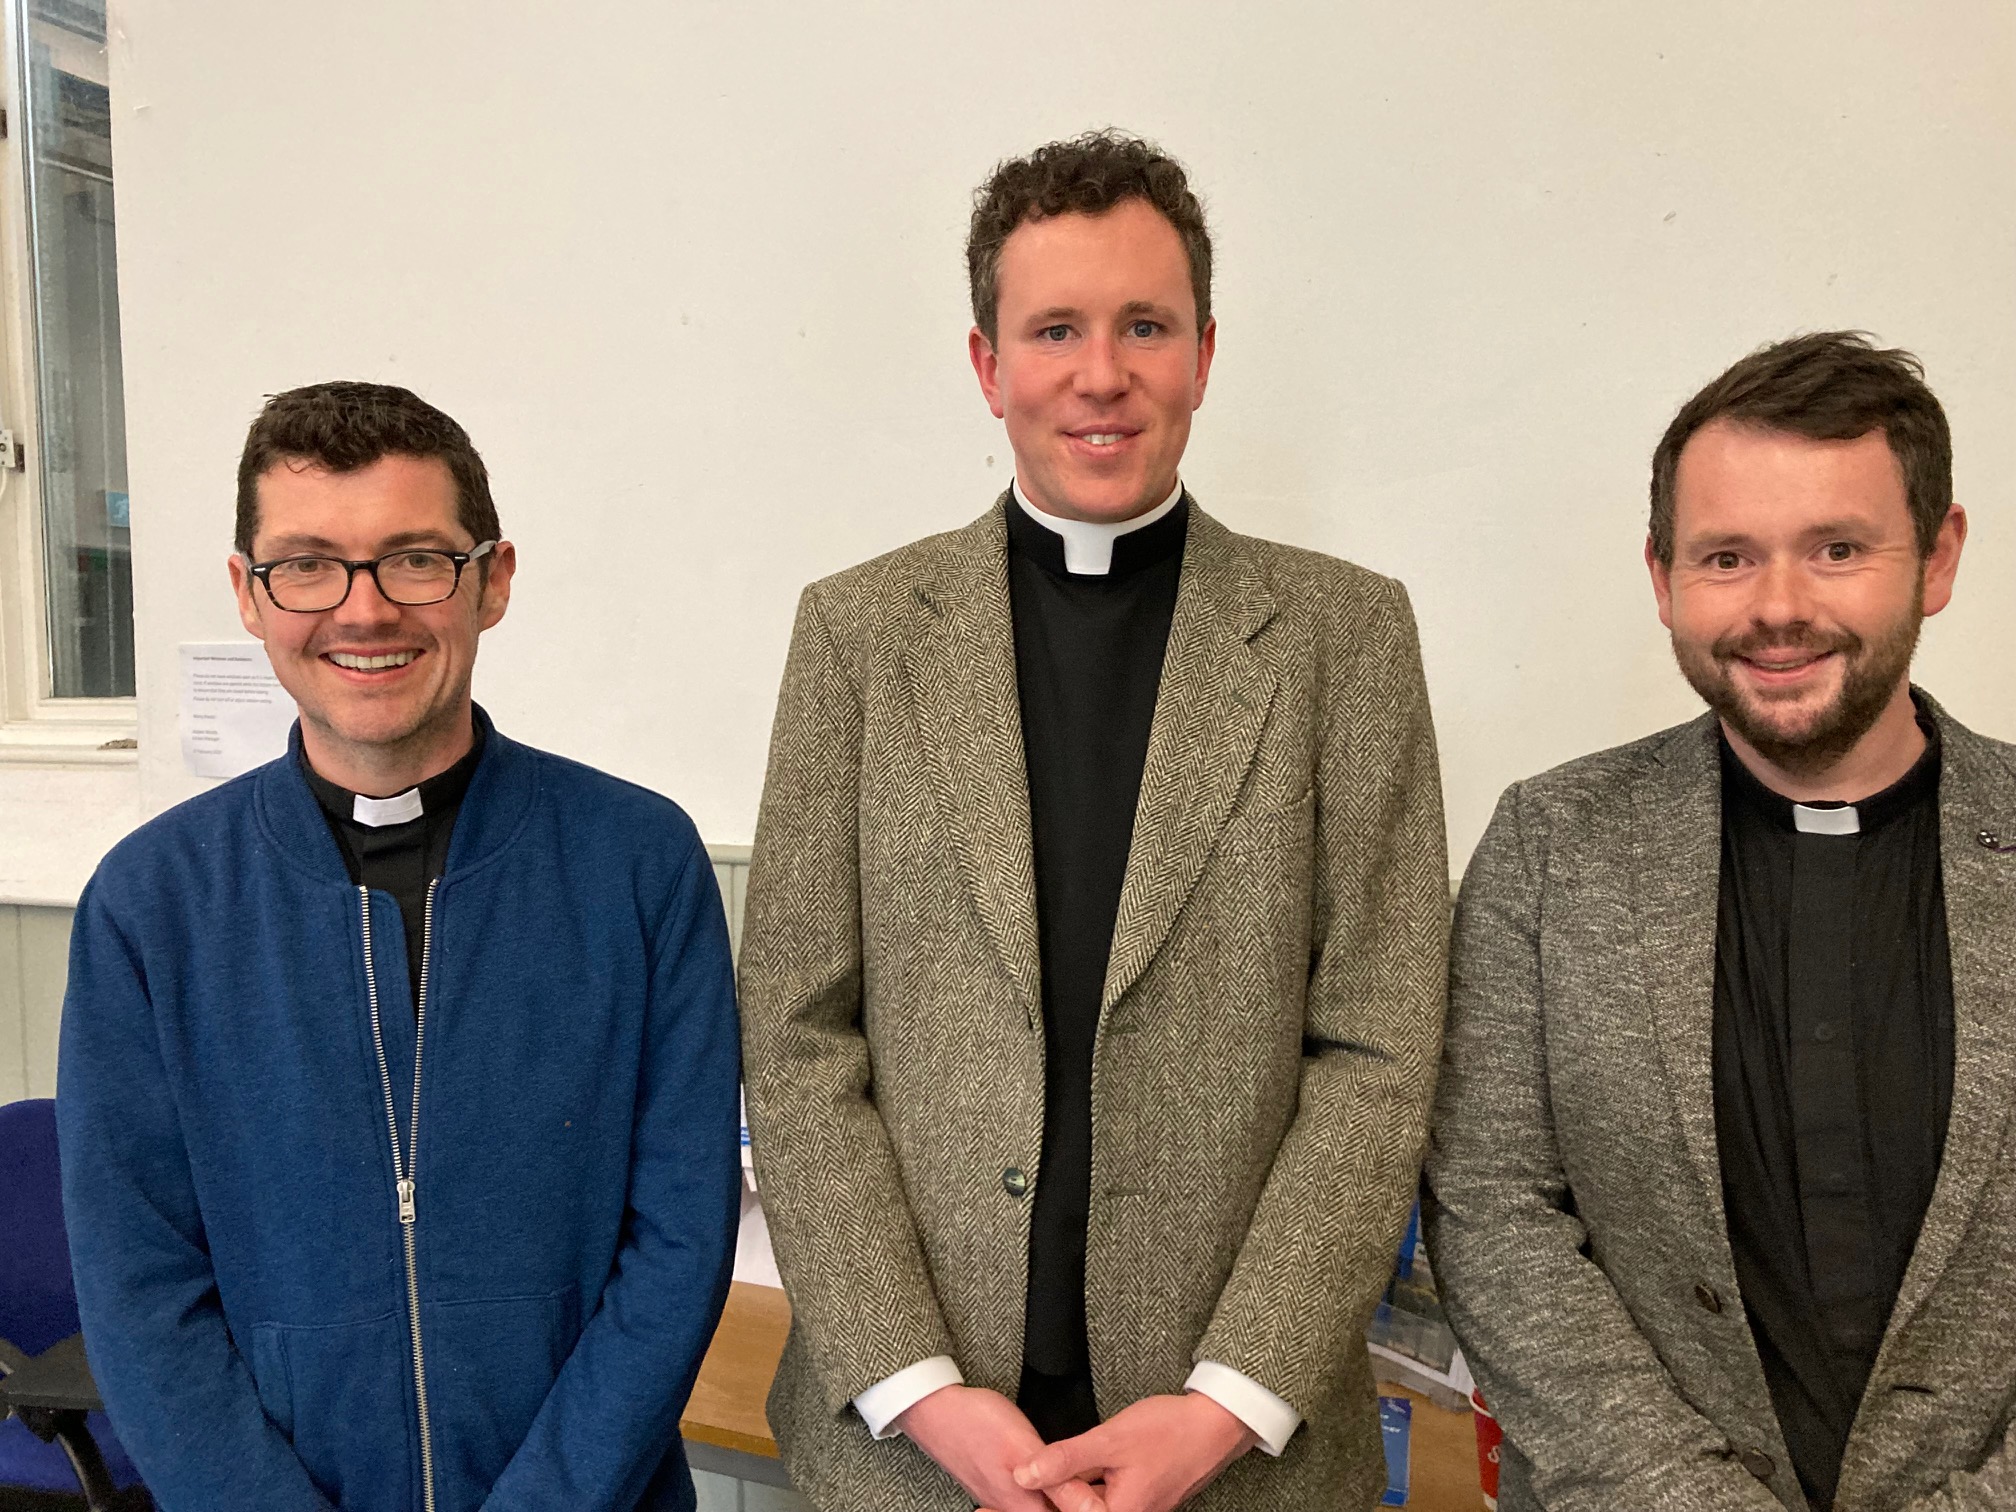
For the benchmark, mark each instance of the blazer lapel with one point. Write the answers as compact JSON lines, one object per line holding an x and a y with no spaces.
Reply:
{"x":1977,"y":799}
{"x":1676,"y":858}
{"x":963,"y":688}
{"x":1209,"y":711}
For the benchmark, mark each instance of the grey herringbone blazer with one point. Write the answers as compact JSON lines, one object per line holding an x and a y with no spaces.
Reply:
{"x":1577,"y":1226}
{"x":1268,"y":1033}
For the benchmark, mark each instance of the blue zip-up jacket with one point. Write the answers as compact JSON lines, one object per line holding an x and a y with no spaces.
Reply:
{"x":229,"y":1168}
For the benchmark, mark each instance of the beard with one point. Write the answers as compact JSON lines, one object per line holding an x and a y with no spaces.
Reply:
{"x":1804,"y":744}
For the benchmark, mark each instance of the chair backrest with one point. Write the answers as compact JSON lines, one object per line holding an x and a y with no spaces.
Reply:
{"x":38,"y":1303}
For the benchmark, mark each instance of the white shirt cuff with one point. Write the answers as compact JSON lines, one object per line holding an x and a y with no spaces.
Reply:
{"x":1272,"y":1419}
{"x":884,"y":1402}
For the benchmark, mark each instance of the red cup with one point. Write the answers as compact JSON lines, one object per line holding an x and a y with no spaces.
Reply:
{"x":1489,"y":1437}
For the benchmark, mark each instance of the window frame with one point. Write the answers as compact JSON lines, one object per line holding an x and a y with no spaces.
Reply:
{"x":35,"y":726}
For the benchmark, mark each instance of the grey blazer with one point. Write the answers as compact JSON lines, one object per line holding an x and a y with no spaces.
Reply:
{"x":1576,"y":1222}
{"x":1268,"y":1033}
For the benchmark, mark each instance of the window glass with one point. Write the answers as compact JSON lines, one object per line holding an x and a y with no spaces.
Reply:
{"x":80,"y":452}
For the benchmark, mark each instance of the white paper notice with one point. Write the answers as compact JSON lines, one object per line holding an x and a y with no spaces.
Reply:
{"x":235,"y":714}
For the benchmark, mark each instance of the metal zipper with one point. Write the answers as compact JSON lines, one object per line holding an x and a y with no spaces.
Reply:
{"x":406,"y":1164}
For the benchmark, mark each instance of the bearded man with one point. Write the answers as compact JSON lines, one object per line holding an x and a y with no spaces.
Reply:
{"x":1722,"y":1182}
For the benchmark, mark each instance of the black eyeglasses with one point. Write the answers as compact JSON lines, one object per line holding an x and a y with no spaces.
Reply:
{"x":412,"y":577}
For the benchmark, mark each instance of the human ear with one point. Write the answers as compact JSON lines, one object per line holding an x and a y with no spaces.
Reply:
{"x":248,"y":603}
{"x":1662,"y":582}
{"x":986,"y":367}
{"x":1942,"y":563}
{"x":496,"y":596}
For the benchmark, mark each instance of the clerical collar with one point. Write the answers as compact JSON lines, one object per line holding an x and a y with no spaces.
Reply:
{"x":1919,"y":785}
{"x":441,"y":791}
{"x":1091,"y":548}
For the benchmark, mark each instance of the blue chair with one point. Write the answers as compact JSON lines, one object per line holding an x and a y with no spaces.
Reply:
{"x":68,"y":1461}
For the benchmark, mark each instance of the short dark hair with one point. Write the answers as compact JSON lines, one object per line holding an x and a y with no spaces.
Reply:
{"x":1825,"y":386}
{"x":1087,"y":175}
{"x":345,"y":425}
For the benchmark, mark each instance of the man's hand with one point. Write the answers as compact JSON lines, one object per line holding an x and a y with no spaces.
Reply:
{"x":979,"y":1438}
{"x":1152,"y":1456}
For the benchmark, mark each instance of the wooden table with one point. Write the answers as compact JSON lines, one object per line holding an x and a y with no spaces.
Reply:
{"x":725,"y":1412}
{"x":727,"y":1433}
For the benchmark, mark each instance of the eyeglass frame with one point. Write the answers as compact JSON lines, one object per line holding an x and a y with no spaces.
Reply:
{"x":263,"y":571}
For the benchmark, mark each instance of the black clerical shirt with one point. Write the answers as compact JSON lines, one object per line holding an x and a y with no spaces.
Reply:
{"x":1088,"y":664}
{"x":1833,"y":1068}
{"x":401,"y":859}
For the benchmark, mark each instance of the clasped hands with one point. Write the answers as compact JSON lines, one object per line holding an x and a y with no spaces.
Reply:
{"x":1150,"y":1457}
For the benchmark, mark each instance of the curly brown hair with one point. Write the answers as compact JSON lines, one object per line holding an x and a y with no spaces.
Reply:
{"x":1086,"y":175}
{"x":1825,"y":386}
{"x":345,"y":425}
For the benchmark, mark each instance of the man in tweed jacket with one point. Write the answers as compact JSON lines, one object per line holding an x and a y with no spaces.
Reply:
{"x":1724,"y":1206}
{"x":1100,"y":864}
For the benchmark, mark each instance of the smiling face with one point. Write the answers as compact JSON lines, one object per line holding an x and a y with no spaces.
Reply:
{"x":383,"y":688}
{"x":1796,"y":588}
{"x":1097,"y":364}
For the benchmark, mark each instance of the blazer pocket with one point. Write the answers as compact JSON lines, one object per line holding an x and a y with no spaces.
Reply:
{"x":1290,"y":824}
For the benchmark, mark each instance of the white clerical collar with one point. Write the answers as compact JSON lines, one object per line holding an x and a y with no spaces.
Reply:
{"x":1841,"y":820}
{"x":400,"y":808}
{"x":1088,"y":544}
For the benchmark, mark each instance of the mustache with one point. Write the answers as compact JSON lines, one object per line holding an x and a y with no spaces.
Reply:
{"x":1798,"y":639}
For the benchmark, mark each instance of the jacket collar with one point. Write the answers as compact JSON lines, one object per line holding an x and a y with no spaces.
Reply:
{"x":495,"y":807}
{"x":1676,"y":870}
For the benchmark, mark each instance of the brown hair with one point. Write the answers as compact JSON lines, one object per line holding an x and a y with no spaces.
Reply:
{"x":1088,"y":175}
{"x":343,"y":426}
{"x":1826,"y":386}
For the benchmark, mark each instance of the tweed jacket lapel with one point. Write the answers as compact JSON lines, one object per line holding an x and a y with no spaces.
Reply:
{"x":1977,"y":814}
{"x":1676,"y":863}
{"x":1209,"y":712}
{"x":962,"y":684}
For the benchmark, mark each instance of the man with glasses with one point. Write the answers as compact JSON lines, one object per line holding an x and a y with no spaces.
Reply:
{"x":312,"y":1276}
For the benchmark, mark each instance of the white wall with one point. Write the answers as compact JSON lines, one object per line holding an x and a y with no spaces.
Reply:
{"x":55,"y":823}
{"x":692,"y":276}
{"x":34,"y":960}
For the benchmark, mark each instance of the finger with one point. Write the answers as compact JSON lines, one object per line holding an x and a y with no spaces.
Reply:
{"x":1009,"y":1499}
{"x":1080,"y":1458}
{"x":1075,"y":1496}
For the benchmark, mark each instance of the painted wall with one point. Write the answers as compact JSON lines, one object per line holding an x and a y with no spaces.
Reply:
{"x":55,"y":824}
{"x":34,"y":960}
{"x":692,"y":276}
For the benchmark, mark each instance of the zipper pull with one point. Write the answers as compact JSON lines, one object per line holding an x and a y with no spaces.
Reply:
{"x":406,"y":1200}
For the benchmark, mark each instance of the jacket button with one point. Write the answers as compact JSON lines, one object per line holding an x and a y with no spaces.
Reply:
{"x":1707,"y":1296}
{"x":1014,"y":1181}
{"x":1758,"y":1463}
